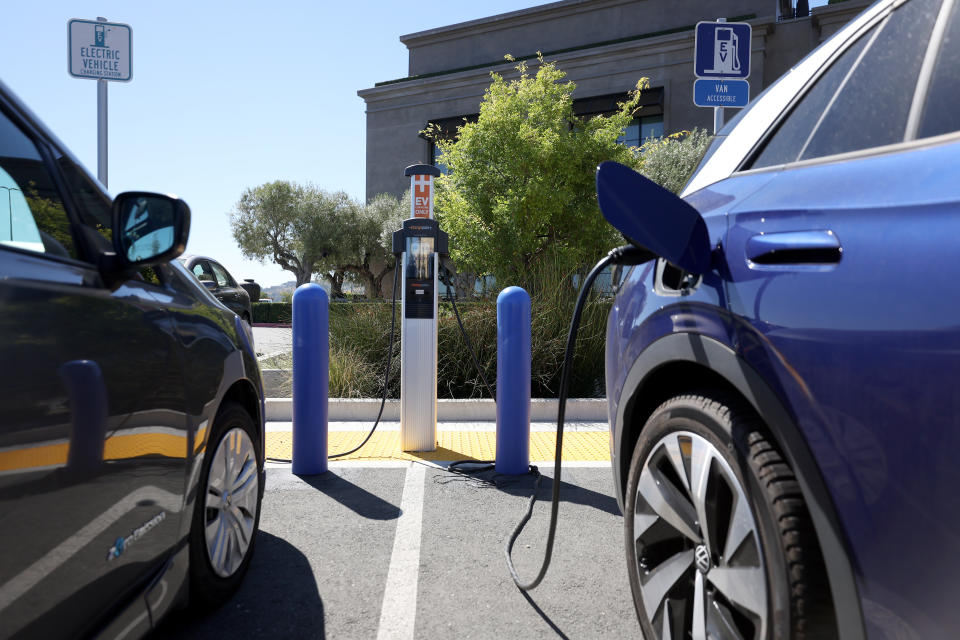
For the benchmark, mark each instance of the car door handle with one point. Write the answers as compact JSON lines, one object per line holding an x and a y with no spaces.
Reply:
{"x":794,"y":247}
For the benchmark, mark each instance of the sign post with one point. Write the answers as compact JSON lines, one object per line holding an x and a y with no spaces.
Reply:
{"x":99,"y":50}
{"x":722,"y":66}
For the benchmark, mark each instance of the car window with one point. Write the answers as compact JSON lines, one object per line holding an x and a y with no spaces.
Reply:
{"x":940,"y":112}
{"x":93,"y":207}
{"x":203,"y":272}
{"x":223,"y":278}
{"x":785,"y":145}
{"x":872,"y":105}
{"x":864,"y":98}
{"x":32,"y":215}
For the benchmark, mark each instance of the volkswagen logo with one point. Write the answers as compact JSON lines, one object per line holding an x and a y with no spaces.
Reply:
{"x":702,"y":557}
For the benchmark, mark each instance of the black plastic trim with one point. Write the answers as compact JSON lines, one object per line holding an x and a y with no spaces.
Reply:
{"x":422,"y":170}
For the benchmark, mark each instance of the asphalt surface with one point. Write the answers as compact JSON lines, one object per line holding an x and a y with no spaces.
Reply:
{"x":271,"y":341}
{"x":326,"y":549}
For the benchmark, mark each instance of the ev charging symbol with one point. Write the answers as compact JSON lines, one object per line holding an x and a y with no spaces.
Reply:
{"x":726,"y":54}
{"x":99,"y":36}
{"x":722,"y":50}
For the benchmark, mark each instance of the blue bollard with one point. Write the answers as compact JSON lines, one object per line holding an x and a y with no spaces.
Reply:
{"x":311,"y":378}
{"x":513,"y":381}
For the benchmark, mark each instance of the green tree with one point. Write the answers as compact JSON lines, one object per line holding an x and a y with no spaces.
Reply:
{"x":521,"y":185}
{"x":330,"y":220}
{"x":369,"y":240}
{"x":292,"y":225}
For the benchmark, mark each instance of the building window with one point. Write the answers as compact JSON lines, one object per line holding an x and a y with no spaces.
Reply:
{"x":648,"y":123}
{"x":641,"y":130}
{"x":435,"y":160}
{"x":448,"y":131}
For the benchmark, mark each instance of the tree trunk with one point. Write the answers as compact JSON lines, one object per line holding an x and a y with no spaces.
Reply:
{"x":464,"y":284}
{"x":336,"y":284}
{"x":304,"y":273}
{"x":371,"y":285}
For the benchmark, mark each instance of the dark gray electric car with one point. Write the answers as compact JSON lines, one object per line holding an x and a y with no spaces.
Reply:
{"x":220,"y":283}
{"x":131,"y":427}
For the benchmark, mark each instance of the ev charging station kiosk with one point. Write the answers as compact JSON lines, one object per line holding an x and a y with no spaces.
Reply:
{"x":419,"y":244}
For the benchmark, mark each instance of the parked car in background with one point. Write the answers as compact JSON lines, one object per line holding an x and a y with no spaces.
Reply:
{"x":131,"y":427}
{"x":221,"y":284}
{"x":784,"y":418}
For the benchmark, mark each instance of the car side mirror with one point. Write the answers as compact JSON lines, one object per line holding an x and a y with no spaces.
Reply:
{"x":653,"y":218}
{"x":149,"y":228}
{"x":209,"y":284}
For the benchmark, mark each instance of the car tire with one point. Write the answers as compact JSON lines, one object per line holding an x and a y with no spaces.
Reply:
{"x":227,"y":511}
{"x":754,"y":569}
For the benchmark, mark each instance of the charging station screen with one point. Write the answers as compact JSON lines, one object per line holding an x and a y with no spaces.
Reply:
{"x":419,"y":262}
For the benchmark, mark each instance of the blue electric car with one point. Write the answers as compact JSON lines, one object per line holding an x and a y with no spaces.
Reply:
{"x":784,"y":413}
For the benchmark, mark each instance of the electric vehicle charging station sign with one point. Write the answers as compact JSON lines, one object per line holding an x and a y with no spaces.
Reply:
{"x":722,"y":64}
{"x":422,"y":197}
{"x":99,"y":50}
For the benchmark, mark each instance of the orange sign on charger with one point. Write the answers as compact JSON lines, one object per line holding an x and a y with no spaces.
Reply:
{"x":422,"y":195}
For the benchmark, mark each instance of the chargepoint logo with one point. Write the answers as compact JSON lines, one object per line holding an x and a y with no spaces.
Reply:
{"x":122,"y":543}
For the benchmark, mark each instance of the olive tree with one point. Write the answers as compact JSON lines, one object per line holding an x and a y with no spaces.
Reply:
{"x":370,"y":239}
{"x":292,"y":225}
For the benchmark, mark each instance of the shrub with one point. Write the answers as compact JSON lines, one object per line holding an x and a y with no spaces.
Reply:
{"x":272,"y":312}
{"x":360,"y":336}
{"x":671,"y":160}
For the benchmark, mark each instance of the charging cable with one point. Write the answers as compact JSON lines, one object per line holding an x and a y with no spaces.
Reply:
{"x":386,"y":373}
{"x":386,"y":376}
{"x":625,"y":255}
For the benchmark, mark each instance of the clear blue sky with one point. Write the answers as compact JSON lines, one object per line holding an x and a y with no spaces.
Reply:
{"x":225,"y":95}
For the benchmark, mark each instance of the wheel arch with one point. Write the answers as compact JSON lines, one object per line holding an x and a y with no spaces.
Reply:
{"x":684,"y":362}
{"x":244,"y":394}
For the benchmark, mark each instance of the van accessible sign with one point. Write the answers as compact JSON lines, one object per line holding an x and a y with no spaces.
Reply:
{"x":99,"y":50}
{"x":722,"y":64}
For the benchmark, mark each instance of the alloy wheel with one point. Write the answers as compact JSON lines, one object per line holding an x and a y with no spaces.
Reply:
{"x":231,"y":501}
{"x":698,"y":554}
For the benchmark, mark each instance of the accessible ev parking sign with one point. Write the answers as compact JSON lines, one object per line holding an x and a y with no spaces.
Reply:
{"x":99,"y":50}
{"x":722,"y":64}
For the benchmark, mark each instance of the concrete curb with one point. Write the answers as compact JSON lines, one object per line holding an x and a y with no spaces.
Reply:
{"x":349,"y":409}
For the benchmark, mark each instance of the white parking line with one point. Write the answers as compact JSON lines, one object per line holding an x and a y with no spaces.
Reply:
{"x":398,"y":614}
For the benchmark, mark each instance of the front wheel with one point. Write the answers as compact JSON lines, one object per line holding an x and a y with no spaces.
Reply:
{"x":719,"y":541}
{"x":227,"y":512}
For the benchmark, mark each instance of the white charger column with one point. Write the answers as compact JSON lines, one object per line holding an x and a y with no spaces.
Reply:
{"x":418,"y":244}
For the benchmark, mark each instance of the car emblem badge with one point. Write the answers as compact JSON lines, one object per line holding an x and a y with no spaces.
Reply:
{"x":702,"y":557}
{"x":122,"y":543}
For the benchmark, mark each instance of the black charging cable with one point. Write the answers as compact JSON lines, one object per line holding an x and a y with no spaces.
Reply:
{"x":473,"y":354}
{"x":468,"y":467}
{"x":625,"y":255}
{"x":386,"y":375}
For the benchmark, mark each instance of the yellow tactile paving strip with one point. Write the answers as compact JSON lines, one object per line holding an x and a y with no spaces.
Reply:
{"x":452,"y":445}
{"x":384,"y":445}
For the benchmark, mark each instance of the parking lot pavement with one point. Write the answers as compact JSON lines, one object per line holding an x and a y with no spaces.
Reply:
{"x":271,"y":341}
{"x":402,"y":549}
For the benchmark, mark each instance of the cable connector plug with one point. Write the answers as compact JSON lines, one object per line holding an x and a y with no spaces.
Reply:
{"x":630,"y":254}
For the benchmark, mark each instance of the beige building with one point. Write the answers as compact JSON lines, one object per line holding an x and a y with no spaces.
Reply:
{"x":604,"y":46}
